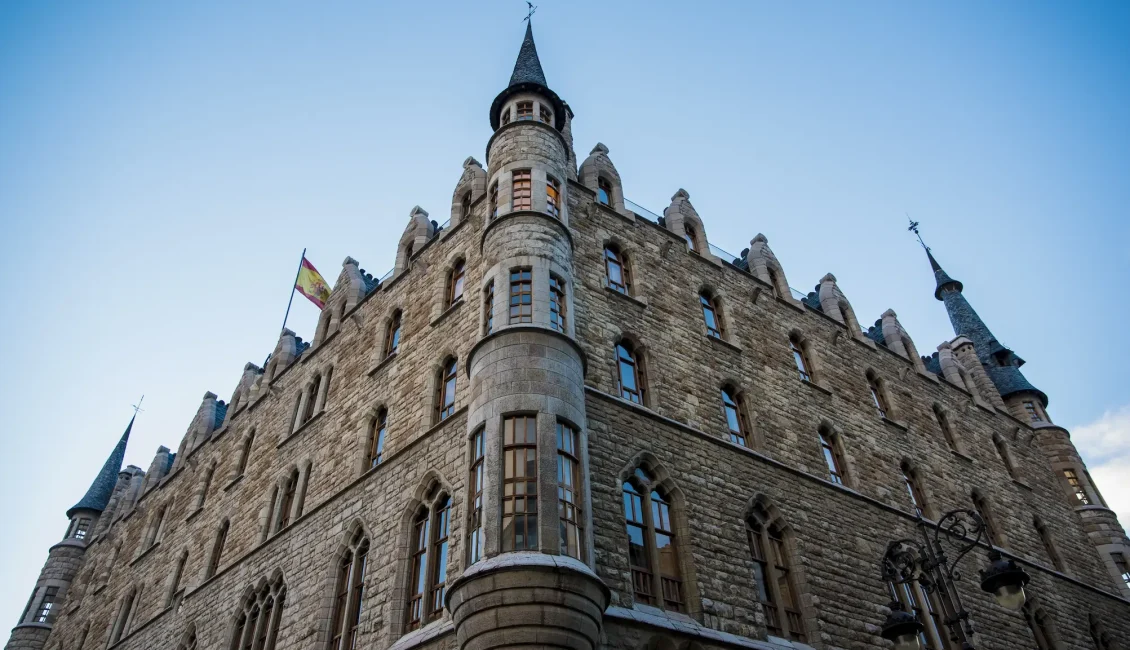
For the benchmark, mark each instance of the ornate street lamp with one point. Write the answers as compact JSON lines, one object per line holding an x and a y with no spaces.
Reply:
{"x":909,"y":560}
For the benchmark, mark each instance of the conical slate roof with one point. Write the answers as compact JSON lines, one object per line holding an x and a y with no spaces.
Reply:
{"x":527,"y":69}
{"x":940,"y":276}
{"x":100,"y":490}
{"x":528,"y":77}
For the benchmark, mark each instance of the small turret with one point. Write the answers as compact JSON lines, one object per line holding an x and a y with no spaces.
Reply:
{"x":65,"y":558}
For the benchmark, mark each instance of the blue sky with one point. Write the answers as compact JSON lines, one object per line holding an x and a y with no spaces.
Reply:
{"x":163,"y":164}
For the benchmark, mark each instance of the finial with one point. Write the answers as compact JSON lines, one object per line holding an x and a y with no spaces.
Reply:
{"x":137,"y":407}
{"x":531,"y":12}
{"x":914,"y":229}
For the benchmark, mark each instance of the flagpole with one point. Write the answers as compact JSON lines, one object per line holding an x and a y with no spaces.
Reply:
{"x":293,"y":287}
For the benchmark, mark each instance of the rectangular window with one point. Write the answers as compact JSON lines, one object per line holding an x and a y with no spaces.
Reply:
{"x":801,"y":360}
{"x":475,"y":526}
{"x":556,"y":303}
{"x":419,"y":571}
{"x":525,"y":111}
{"x":82,"y":528}
{"x":519,"y":484}
{"x":44,"y":614}
{"x":638,"y":556}
{"x":761,"y":582}
{"x":377,"y":438}
{"x":877,"y":397}
{"x":1123,"y":567}
{"x":669,"y":579}
{"x":1033,"y":412}
{"x":831,"y":459}
{"x":568,"y":490}
{"x":552,"y":197}
{"x":439,"y":556}
{"x":521,"y":296}
{"x":546,"y":115}
{"x":506,"y":117}
{"x":522,"y":191}
{"x":493,"y":200}
{"x":488,"y":309}
{"x":1076,"y":487}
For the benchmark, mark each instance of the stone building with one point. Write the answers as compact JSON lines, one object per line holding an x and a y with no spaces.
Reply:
{"x":561,"y":421}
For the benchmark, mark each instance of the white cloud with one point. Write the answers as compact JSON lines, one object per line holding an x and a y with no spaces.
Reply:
{"x":1105,"y":446}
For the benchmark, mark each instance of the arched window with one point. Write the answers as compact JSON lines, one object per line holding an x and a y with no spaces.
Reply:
{"x":506,"y":116}
{"x":946,"y":427}
{"x":174,"y":583}
{"x":557,"y":303}
{"x":455,"y":283}
{"x":569,"y":490}
{"x":914,"y":490}
{"x":125,"y":616}
{"x":521,"y":296}
{"x":392,"y":335}
{"x":603,"y":191}
{"x":878,"y":394}
{"x":546,"y":115}
{"x":833,"y":457}
{"x":629,"y":377}
{"x":736,"y":420}
{"x":428,"y":571}
{"x":799,"y":349}
{"x":1102,"y":639}
{"x":711,"y":315}
{"x":1005,"y":455}
{"x":691,"y":238}
{"x":1033,"y":411}
{"x":259,"y":617}
{"x":1040,"y":623}
{"x":156,"y":528}
{"x":986,"y":514}
{"x":475,"y":546}
{"x":290,"y":490}
{"x":245,"y":454}
{"x":521,"y":190}
{"x":189,"y":643}
{"x":217,"y":549}
{"x":377,"y":430}
{"x":616,"y":269}
{"x":205,"y":484}
{"x":1122,"y":567}
{"x":652,"y":549}
{"x":488,"y":308}
{"x":1049,"y":545}
{"x":772,"y":577}
{"x":520,"y":483}
{"x":311,"y":398}
{"x":465,"y":205}
{"x":552,"y":197}
{"x":81,"y":528}
{"x":445,"y":390}
{"x":349,"y":594}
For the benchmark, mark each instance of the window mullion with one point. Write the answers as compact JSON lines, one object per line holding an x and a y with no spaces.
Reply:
{"x":773,"y":580}
{"x":652,"y":550}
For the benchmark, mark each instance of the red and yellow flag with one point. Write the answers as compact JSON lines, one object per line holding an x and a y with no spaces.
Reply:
{"x":311,"y":284}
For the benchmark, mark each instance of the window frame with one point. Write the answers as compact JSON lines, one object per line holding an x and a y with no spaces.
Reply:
{"x":663,"y":590}
{"x":603,"y":191}
{"x":521,"y":190}
{"x":771,"y":553}
{"x":570,"y":503}
{"x":476,"y":544}
{"x":522,"y":289}
{"x":378,"y":430}
{"x":558,"y":307}
{"x":628,"y":354}
{"x":711,"y":313}
{"x":392,"y":333}
{"x":520,"y":489}
{"x":552,"y":197}
{"x":833,"y":456}
{"x":446,"y":390}
{"x":732,"y":402}
{"x":801,"y":359}
{"x":524,"y":110}
{"x":455,"y":283}
{"x":614,"y":257}
{"x":488,"y":309}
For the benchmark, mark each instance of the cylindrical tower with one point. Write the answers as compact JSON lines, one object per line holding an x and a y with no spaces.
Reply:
{"x":529,"y":581}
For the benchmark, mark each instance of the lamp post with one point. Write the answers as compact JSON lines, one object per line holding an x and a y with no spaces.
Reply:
{"x":925,"y":561}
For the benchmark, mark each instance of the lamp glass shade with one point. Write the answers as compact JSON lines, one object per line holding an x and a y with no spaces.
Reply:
{"x":1010,"y":597}
{"x":908,"y":641}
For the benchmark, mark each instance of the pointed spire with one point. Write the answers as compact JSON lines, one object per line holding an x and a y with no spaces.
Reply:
{"x":98,"y":495}
{"x":527,"y":69}
{"x":941,"y":278}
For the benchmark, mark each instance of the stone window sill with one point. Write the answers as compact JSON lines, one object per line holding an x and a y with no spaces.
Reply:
{"x":623,"y":296}
{"x":303,"y":427}
{"x":724,"y":343}
{"x":961,"y":456}
{"x":232,"y":483}
{"x":815,"y":386}
{"x":896,"y":424}
{"x":192,"y":515}
{"x":145,"y":553}
{"x":382,"y":363}
{"x":451,"y":308}
{"x":1022,"y":484}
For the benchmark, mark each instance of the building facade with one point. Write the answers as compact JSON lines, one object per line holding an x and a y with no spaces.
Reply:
{"x":563,"y":422}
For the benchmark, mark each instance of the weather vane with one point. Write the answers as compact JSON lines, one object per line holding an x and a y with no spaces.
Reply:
{"x":137,"y":407}
{"x":532,"y":10}
{"x":914,"y":229}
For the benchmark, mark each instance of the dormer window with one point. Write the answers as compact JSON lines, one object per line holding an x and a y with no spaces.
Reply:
{"x":603,"y":192}
{"x":521,"y":190}
{"x":546,"y":115}
{"x":691,"y":238}
{"x":465,"y":205}
{"x":506,"y":117}
{"x":525,"y":111}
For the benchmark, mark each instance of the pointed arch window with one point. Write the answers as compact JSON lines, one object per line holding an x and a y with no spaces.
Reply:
{"x":691,"y":237}
{"x":833,"y":457}
{"x":257,"y":625}
{"x":986,"y":514}
{"x":189,"y":643}
{"x":392,"y":334}
{"x":571,"y":526}
{"x":947,"y":429}
{"x":174,"y":583}
{"x":156,"y":527}
{"x":878,"y":394}
{"x":377,"y":430}
{"x":521,"y":190}
{"x":553,"y":197}
{"x":914,"y":490}
{"x":616,"y":269}
{"x":217,"y":549}
{"x":521,"y":295}
{"x":475,"y":542}
{"x":799,"y":350}
{"x":1005,"y":455}
{"x":465,"y":205}
{"x":312,"y":398}
{"x":1039,"y":622}
{"x":245,"y":454}
{"x":428,"y":570}
{"x":1049,"y":545}
{"x":774,"y":282}
{"x":290,"y":490}
{"x":1123,"y":568}
{"x":652,"y":548}
{"x":603,"y":191}
{"x":455,"y":282}
{"x":915,"y":599}
{"x":736,"y":420}
{"x":349,"y":594}
{"x":205,"y":484}
{"x":125,"y":616}
{"x":630,"y":376}
{"x":519,"y":483}
{"x":1101,"y":638}
{"x":710,"y":315}
{"x":557,"y":303}
{"x":773,"y":577}
{"x":445,"y":393}
{"x":488,"y":308}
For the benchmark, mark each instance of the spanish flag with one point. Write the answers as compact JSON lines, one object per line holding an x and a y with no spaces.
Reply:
{"x":311,"y":284}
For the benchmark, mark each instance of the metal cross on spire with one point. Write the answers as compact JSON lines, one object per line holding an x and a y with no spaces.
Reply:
{"x":137,"y":407}
{"x":914,"y":229}
{"x":531,"y":12}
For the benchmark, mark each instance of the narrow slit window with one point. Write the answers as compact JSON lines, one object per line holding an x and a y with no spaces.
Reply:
{"x":475,"y":542}
{"x":377,"y":432}
{"x":568,"y":490}
{"x":392,"y":336}
{"x":603,"y":191}
{"x":735,"y":417}
{"x":557,"y":303}
{"x":616,"y":269}
{"x":552,"y":198}
{"x":710,"y":315}
{"x":831,"y":453}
